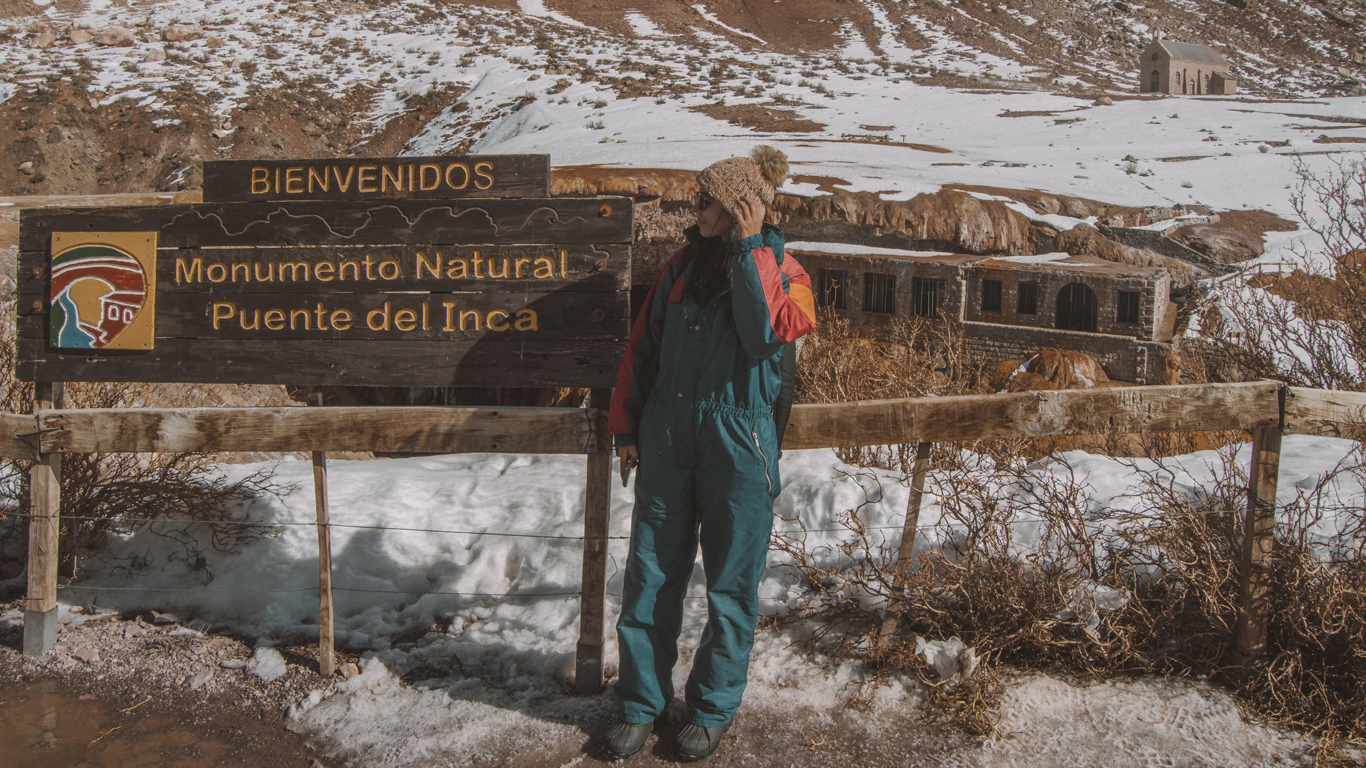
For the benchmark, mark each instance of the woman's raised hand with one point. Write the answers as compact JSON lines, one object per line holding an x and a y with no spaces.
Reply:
{"x":749,"y":216}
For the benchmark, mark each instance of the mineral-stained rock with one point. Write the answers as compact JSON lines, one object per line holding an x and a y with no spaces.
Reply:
{"x":179,"y":33}
{"x":115,"y":36}
{"x":86,"y":653}
{"x":1086,"y":240}
{"x":198,"y":679}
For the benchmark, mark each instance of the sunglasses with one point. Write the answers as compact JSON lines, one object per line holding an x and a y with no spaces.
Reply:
{"x":703,"y":201}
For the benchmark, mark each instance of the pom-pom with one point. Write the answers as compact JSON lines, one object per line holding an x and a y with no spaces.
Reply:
{"x":772,"y":164}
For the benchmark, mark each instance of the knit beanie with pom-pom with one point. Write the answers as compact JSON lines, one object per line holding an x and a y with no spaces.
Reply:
{"x":735,"y":177}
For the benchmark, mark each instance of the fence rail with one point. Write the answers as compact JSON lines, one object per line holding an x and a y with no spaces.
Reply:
{"x":1267,"y":409}
{"x":407,"y":429}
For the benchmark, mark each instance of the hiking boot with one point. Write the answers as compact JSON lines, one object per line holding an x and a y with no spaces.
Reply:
{"x":697,"y":741}
{"x":625,"y":739}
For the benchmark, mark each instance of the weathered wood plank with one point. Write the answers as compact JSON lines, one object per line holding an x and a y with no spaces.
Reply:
{"x":331,"y":362}
{"x":399,"y":317}
{"x":911,"y":524}
{"x":530,"y":221}
{"x":378,"y":178}
{"x":1259,"y":539}
{"x":1325,"y":412}
{"x":12,"y":446}
{"x":44,"y":527}
{"x":413,"y":429}
{"x":597,"y":501}
{"x":1193,"y":408}
{"x":356,"y":269}
{"x":327,"y":662}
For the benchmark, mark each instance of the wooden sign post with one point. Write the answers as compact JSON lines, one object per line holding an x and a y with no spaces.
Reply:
{"x":433,"y":272}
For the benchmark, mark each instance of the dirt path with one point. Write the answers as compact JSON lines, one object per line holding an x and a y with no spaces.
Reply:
{"x":124,"y":690}
{"x":52,"y":724}
{"x":132,"y":704}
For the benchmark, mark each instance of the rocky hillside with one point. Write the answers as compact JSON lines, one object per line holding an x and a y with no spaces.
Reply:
{"x":99,"y":98}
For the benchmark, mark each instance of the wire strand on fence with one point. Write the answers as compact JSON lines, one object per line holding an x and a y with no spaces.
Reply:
{"x":315,"y":589}
{"x":367,"y":591}
{"x":1020,"y":521}
{"x":330,"y":525}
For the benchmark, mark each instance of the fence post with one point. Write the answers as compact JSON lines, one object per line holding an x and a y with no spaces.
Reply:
{"x":327,"y":661}
{"x":1259,"y":537}
{"x":597,"y":499}
{"x":44,"y":528}
{"x":909,"y":526}
{"x":912,"y":522}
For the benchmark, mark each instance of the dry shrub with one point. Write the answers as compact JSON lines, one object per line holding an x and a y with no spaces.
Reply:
{"x":1028,"y":569}
{"x":1304,"y":326}
{"x":914,"y":357}
{"x":106,"y":495}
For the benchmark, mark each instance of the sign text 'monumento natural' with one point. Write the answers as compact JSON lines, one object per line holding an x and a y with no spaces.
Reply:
{"x":404,"y":292}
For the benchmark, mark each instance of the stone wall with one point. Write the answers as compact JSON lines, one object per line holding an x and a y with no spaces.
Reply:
{"x":1124,"y":359}
{"x":1153,"y":299}
{"x":903,"y":270}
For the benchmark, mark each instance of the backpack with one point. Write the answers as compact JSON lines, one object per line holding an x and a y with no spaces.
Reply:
{"x":782,"y":408}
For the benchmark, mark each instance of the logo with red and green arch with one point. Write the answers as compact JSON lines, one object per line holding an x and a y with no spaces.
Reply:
{"x":103,"y":290}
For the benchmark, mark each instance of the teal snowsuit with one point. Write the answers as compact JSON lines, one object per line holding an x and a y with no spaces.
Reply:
{"x":697,"y":397}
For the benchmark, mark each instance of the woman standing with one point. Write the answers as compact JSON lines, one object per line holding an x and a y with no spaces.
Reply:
{"x":693,"y":409}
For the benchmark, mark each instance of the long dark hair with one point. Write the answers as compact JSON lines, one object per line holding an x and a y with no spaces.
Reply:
{"x":711,"y":270}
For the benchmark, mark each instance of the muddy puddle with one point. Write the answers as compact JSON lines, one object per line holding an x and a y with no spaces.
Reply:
{"x":46,"y":726}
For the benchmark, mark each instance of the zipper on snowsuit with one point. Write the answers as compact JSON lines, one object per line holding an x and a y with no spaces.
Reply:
{"x":767,"y":477}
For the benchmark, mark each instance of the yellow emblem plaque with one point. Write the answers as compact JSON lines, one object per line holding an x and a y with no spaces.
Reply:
{"x":103,"y":293}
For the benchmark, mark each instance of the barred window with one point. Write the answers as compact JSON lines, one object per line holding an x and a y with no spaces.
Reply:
{"x":1027,"y":299}
{"x":1128,"y":306}
{"x":926,"y":295}
{"x":879,"y":292}
{"x":991,"y":295}
{"x":830,"y":287}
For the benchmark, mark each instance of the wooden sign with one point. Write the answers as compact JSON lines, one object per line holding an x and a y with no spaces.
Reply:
{"x":391,"y":178}
{"x":481,"y":293}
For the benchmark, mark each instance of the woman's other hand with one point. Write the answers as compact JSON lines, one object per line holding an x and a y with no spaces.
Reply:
{"x":749,"y":216}
{"x":630,"y":459}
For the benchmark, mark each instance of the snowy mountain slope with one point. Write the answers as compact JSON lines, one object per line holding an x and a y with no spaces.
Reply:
{"x":578,"y":81}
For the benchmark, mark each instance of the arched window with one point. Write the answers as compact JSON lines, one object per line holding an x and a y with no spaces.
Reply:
{"x":1077,"y":308}
{"x":1157,"y":81}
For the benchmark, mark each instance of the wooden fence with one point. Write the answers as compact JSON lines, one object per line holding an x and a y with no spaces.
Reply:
{"x":1267,"y":409}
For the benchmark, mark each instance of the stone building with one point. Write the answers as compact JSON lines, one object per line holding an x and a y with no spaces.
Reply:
{"x":1167,"y":66}
{"x":1009,"y":306}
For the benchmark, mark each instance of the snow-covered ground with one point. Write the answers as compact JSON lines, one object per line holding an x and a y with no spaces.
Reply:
{"x":416,"y":541}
